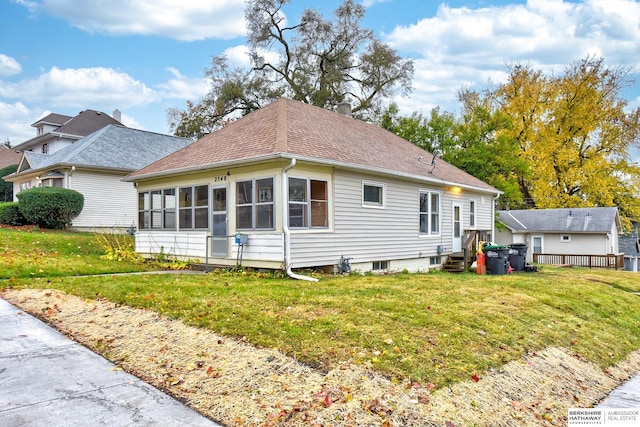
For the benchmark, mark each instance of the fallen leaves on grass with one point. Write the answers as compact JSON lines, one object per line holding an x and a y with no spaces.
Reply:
{"x":237,"y":384}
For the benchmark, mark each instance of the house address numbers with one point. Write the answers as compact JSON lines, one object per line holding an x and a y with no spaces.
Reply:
{"x":221,"y":178}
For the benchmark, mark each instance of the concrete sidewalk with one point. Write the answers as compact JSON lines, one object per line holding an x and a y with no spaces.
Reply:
{"x":625,"y":396}
{"x":48,"y":380}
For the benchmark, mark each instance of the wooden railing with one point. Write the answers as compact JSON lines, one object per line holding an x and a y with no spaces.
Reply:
{"x":470,"y":244}
{"x":611,"y":261}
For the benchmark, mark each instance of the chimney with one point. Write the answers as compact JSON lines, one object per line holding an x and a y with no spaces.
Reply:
{"x":344,"y":108}
{"x":117,"y":115}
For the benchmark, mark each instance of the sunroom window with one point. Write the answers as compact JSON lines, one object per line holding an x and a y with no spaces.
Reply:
{"x":308,"y":203}
{"x":194,"y":207}
{"x":157,"y":209}
{"x":255,"y":204}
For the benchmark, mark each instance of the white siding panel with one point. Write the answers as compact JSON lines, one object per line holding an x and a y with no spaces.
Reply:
{"x":108,"y":202}
{"x":581,"y":244}
{"x":262,"y":247}
{"x":181,"y":245}
{"x":370,"y":234}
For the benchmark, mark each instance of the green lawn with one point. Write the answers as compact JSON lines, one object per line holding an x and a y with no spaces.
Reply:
{"x":435,"y":328}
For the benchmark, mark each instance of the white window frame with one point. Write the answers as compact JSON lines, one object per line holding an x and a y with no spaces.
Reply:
{"x":533,"y":246}
{"x":567,"y":240}
{"x":191,"y":208}
{"x":308,"y":203}
{"x":383,"y":195}
{"x":147,"y":208}
{"x":380,"y":266}
{"x":257,"y":200}
{"x":429,"y":213}
{"x":472,"y":213}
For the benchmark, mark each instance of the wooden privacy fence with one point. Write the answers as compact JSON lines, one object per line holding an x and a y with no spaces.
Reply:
{"x":612,"y":261}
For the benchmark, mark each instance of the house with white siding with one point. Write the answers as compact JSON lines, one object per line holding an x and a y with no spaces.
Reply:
{"x":57,"y":131}
{"x":295,"y":186}
{"x":94,"y":166}
{"x":587,"y":237}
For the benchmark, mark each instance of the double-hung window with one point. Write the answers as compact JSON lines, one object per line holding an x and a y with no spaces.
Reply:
{"x":429,"y":213}
{"x":194,"y":207}
{"x":308,"y":203}
{"x":255,"y":204}
{"x":157,"y":209}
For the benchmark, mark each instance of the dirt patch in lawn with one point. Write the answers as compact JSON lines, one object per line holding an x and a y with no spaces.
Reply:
{"x":237,"y":384}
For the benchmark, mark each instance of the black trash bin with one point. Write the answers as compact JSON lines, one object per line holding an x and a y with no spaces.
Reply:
{"x":496,"y":259}
{"x":517,"y":255}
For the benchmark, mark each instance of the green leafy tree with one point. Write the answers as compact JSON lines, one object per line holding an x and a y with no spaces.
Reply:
{"x":317,"y":60}
{"x":470,"y":142}
{"x":6,"y":188}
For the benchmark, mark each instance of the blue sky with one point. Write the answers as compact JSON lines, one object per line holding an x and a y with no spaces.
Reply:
{"x":144,"y":56}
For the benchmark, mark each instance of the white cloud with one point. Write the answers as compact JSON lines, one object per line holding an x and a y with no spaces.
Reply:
{"x":238,"y":56}
{"x":73,"y":87}
{"x":186,"y":20}
{"x":369,"y":3}
{"x":465,"y":47}
{"x":9,"y":66}
{"x":15,"y":122}
{"x":183,"y":87}
{"x":130,"y":122}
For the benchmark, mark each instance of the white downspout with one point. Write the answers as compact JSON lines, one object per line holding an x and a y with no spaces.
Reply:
{"x":285,"y":226}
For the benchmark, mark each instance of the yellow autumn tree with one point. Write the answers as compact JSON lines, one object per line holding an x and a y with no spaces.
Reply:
{"x":575,"y":134}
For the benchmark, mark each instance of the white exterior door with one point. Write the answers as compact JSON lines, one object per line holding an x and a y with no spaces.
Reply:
{"x":219,"y":240}
{"x":457,"y":228}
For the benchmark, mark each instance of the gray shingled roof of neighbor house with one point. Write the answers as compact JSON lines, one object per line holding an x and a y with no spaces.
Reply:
{"x":574,"y":220}
{"x":85,"y":123}
{"x":292,"y":129}
{"x":112,"y":147}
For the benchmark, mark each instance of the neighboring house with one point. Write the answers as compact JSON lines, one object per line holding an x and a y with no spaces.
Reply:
{"x":95,"y":166}
{"x":578,"y":234}
{"x":56,"y":131}
{"x":8,"y":156}
{"x":307,"y":187}
{"x":630,"y":247}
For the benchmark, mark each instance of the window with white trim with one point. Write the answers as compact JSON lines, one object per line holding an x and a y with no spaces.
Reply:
{"x":380,"y":265}
{"x":157,"y":209}
{"x":429,"y":212}
{"x":373,"y":194}
{"x":565,"y":238}
{"x":255,"y":204}
{"x":472,"y":213}
{"x":194,"y":207}
{"x":308,"y":203}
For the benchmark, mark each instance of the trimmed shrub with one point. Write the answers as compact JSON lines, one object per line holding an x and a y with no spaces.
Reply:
{"x":50,"y":207}
{"x":6,"y":188}
{"x":10,"y":214}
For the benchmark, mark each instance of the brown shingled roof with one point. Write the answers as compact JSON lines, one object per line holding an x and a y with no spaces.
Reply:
{"x":54,"y":119}
{"x":290,"y":128}
{"x":8,"y":156}
{"x":87,"y":122}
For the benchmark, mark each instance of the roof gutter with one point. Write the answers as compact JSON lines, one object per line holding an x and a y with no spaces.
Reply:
{"x":351,"y":166}
{"x":285,"y":226}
